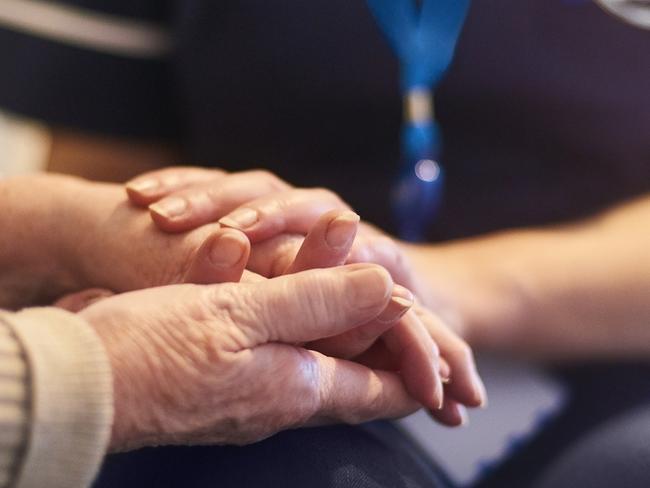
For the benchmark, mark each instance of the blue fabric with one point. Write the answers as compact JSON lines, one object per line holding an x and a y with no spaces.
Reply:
{"x":423,"y":37}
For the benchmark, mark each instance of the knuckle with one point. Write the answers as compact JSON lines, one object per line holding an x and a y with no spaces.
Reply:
{"x":315,"y":298}
{"x":307,"y":387}
{"x":234,"y":311}
{"x":271,"y":179}
{"x":462,"y":352}
{"x":213,"y":193}
{"x":328,"y":195}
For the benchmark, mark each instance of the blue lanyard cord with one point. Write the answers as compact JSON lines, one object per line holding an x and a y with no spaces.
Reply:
{"x":424,"y":38}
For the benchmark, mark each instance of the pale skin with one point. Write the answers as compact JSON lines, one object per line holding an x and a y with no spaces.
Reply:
{"x":218,"y":364}
{"x":571,"y":292}
{"x":72,"y":234}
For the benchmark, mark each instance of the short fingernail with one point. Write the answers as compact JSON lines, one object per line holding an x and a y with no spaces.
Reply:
{"x":96,"y":296}
{"x":170,"y":208}
{"x":438,"y":398}
{"x":240,"y":219}
{"x":445,"y":371}
{"x":368,"y":286}
{"x":463,"y":416}
{"x":341,"y":230}
{"x":400,"y":303}
{"x":438,"y":392}
{"x":480,"y":392}
{"x":227,"y":250}
{"x":143,"y":186}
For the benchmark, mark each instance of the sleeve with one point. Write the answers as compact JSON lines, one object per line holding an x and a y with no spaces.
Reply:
{"x":92,"y":65}
{"x":56,"y":406}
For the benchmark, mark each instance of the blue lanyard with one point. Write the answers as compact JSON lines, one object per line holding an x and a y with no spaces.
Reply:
{"x":423,"y":35}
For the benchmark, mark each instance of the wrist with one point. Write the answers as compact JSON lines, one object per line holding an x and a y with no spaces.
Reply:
{"x":74,"y":224}
{"x":87,"y":249}
{"x":477,"y":286}
{"x":33,"y":258}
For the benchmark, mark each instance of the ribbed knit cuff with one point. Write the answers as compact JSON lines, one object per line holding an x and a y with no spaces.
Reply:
{"x":14,"y":404}
{"x":71,"y":407}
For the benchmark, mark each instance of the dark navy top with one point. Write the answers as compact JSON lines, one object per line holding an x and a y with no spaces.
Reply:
{"x":545,"y":110}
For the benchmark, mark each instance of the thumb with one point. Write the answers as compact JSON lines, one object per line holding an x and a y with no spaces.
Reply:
{"x":328,"y":242}
{"x":220,"y":259}
{"x":314,"y":304}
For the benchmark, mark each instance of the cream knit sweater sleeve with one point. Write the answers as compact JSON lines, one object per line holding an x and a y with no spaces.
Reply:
{"x":56,"y":405}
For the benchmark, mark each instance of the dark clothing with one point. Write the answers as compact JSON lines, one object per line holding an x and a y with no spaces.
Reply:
{"x":545,"y":111}
{"x":605,"y":399}
{"x":373,"y":456}
{"x":545,"y":115}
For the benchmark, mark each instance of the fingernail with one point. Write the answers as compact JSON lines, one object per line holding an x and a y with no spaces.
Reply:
{"x":480,"y":393}
{"x":341,"y":230}
{"x":401,"y":301}
{"x":445,"y":372}
{"x":227,"y":250}
{"x":242,"y":218}
{"x":438,"y":398}
{"x":464,"y":417}
{"x":170,"y":208}
{"x":368,"y":286}
{"x":404,"y":293}
{"x":96,"y":296}
{"x":143,"y":186}
{"x":439,"y":392}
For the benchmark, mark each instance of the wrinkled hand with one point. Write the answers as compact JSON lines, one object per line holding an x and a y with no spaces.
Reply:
{"x":115,"y":246}
{"x":276,"y":223}
{"x":219,"y":364}
{"x":273,"y":215}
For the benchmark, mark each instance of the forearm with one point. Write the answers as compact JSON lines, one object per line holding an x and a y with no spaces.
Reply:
{"x":35,"y":224}
{"x":558,"y":293}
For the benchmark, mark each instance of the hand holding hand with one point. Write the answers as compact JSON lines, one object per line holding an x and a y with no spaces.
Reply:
{"x":277,"y":223}
{"x":221,"y":364}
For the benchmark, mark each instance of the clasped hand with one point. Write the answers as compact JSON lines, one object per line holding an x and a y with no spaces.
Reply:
{"x":284,"y":343}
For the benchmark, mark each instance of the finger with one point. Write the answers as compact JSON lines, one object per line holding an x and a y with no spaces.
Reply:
{"x":323,"y":390}
{"x":292,"y":211}
{"x":379,"y":357}
{"x":373,"y":247}
{"x":465,"y":384}
{"x":418,"y":360}
{"x":272,"y":257}
{"x":309,"y":305}
{"x":76,"y":302}
{"x":352,"y":394}
{"x":356,"y":341}
{"x":445,"y":371}
{"x":328,"y":242}
{"x":207,"y":202}
{"x":250,"y":277}
{"x":326,"y":245}
{"x":154,"y":185}
{"x":221,"y":258}
{"x":451,"y":414}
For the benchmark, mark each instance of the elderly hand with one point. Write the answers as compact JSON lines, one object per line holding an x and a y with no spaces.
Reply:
{"x":68,"y":234}
{"x":276,"y":223}
{"x":109,"y":244}
{"x":220,"y":363}
{"x":272,"y":214}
